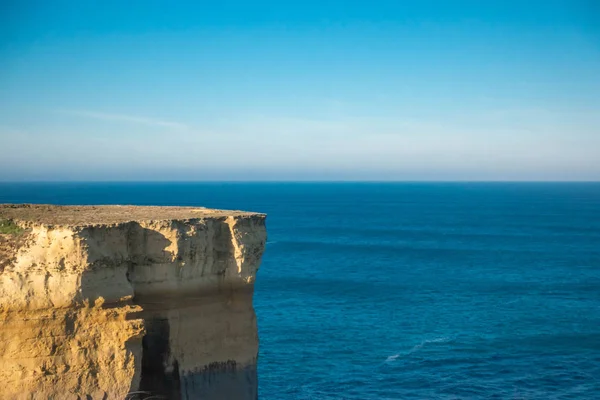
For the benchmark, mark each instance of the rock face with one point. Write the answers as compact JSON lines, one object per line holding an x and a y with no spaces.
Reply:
{"x":115,"y":302}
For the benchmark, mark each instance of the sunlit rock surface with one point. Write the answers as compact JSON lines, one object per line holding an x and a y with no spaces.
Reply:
{"x":115,"y":302}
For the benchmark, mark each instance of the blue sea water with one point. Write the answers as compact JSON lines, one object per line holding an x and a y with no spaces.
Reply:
{"x":409,"y":290}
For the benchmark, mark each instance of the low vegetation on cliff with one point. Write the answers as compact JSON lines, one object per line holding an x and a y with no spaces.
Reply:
{"x":11,"y":236}
{"x":8,"y":227}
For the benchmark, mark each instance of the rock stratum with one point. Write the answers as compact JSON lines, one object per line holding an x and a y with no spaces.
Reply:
{"x":127,"y":302}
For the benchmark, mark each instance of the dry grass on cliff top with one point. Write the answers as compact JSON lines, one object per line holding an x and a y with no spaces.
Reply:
{"x":108,"y":214}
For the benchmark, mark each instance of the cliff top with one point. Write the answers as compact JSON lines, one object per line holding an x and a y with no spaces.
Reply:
{"x":110,"y":214}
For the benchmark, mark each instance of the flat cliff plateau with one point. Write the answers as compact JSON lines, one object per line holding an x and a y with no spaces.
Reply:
{"x":128,"y":302}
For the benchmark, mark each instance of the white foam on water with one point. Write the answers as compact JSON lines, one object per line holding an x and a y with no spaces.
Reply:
{"x":444,"y":339}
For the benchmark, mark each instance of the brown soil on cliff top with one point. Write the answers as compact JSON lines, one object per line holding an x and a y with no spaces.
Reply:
{"x":92,"y":215}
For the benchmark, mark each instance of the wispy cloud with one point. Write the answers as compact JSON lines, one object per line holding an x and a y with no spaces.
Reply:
{"x":131,"y":119}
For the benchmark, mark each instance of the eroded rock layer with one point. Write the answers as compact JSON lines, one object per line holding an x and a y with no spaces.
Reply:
{"x":115,"y":302}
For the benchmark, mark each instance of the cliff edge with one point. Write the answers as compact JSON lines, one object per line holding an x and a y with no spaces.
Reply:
{"x":128,"y":302}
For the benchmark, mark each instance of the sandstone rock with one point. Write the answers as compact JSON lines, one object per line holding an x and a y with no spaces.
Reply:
{"x":115,"y":302}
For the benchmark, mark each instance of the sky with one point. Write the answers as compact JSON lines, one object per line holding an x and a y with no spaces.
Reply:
{"x":299,"y":90}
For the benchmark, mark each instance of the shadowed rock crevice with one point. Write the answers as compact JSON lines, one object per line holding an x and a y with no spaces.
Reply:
{"x":159,"y":375}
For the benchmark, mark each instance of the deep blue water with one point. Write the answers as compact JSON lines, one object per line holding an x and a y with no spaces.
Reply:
{"x":410,"y":291}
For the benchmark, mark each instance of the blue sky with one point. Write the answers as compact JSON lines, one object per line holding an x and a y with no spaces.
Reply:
{"x":311,"y":90}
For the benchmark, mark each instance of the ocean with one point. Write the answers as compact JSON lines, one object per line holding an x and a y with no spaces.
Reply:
{"x":409,"y":290}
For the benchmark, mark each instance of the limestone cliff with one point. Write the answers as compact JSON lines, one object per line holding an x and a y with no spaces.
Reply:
{"x":115,"y":302}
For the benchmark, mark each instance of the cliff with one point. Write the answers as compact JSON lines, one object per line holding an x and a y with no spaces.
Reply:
{"x":115,"y":302}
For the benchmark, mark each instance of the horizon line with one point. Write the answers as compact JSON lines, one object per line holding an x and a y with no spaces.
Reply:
{"x":291,"y":181}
